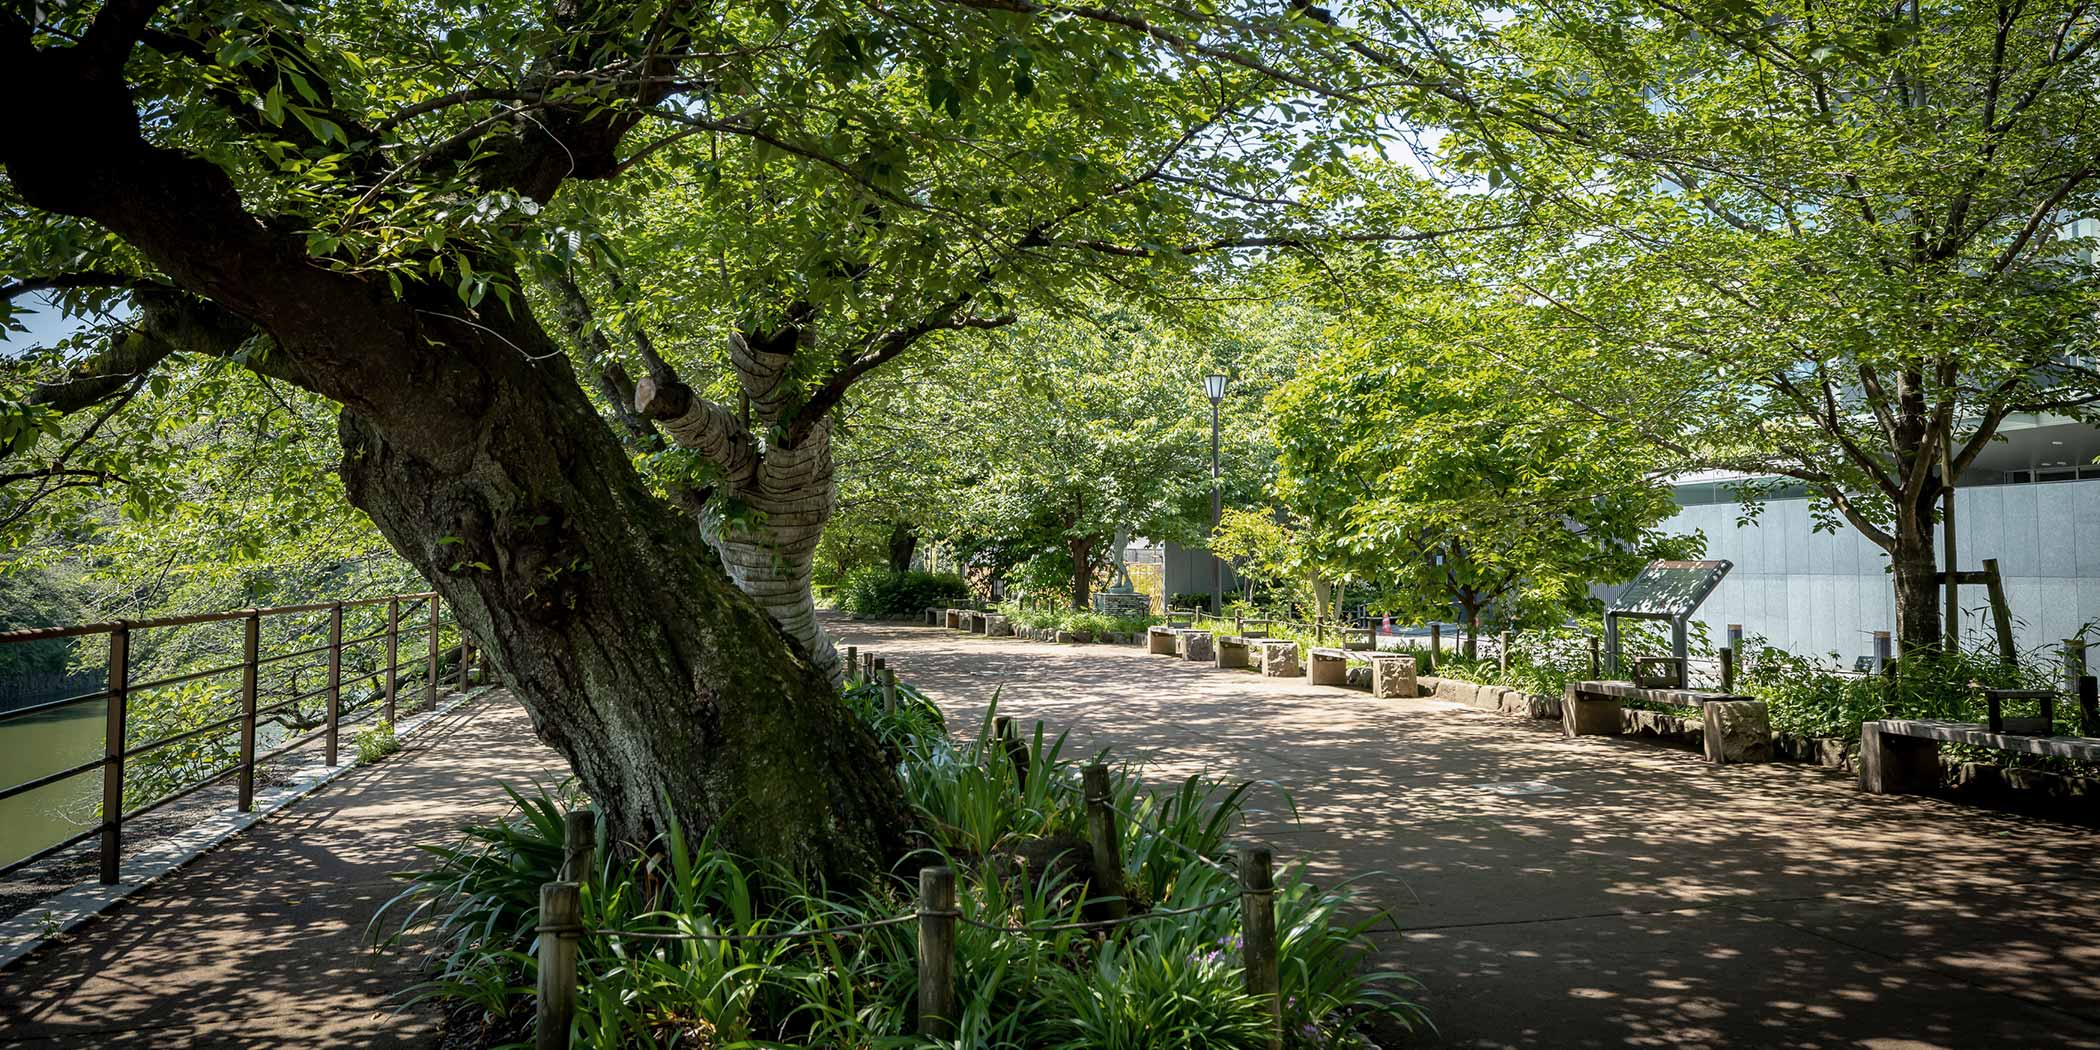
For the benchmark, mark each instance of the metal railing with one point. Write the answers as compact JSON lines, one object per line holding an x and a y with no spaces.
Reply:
{"x":278,"y":703}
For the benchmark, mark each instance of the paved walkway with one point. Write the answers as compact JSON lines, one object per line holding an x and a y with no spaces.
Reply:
{"x":260,"y":943}
{"x":1646,"y":900}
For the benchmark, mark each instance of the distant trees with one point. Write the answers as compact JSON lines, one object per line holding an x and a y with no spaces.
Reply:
{"x":1451,"y":486}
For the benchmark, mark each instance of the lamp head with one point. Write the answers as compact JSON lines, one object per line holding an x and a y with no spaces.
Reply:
{"x":1214,"y":386}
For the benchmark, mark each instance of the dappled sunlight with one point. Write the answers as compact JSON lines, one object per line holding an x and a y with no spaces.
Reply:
{"x":1596,"y":891}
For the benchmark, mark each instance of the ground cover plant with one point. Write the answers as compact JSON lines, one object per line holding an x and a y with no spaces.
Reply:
{"x":1017,"y":846}
{"x":1092,"y":624}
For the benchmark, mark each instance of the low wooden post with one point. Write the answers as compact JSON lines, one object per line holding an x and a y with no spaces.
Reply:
{"x":889,"y":690}
{"x":393,"y":655}
{"x":1106,"y":839}
{"x":1727,"y":669}
{"x":1504,"y":655}
{"x":579,"y":843}
{"x":1884,"y":651}
{"x":251,"y":641}
{"x":117,"y":683}
{"x":1258,"y":936}
{"x":1319,"y":631}
{"x":1436,"y":643}
{"x":2089,"y":705}
{"x":875,"y":670}
{"x":852,"y":664}
{"x":1735,"y":637}
{"x":2074,"y":664}
{"x":335,"y":684}
{"x":1596,"y":659}
{"x":936,"y":952}
{"x":561,"y":923}
{"x":1009,"y":738}
{"x":431,"y":690}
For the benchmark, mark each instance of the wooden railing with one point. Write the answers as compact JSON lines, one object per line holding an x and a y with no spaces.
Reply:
{"x":412,"y":616}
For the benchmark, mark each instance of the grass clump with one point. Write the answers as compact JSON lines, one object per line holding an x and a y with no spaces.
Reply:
{"x":375,"y":742}
{"x":1016,"y":844}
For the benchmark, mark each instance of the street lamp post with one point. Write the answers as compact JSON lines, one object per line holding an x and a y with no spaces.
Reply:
{"x":1214,"y":388}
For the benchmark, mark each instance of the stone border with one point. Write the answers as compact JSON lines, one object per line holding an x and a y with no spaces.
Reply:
{"x":65,"y":911}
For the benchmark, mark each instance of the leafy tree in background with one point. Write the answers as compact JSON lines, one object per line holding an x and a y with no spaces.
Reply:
{"x":1835,"y":244}
{"x":1450,"y":487}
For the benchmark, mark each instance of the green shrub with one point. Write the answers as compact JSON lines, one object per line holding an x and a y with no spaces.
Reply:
{"x":1171,"y":981}
{"x":1092,"y":623}
{"x":880,"y":592}
{"x":375,"y":742}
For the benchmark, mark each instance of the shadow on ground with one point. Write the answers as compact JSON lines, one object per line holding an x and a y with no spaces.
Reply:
{"x":1595,"y":892}
{"x":261,"y":943}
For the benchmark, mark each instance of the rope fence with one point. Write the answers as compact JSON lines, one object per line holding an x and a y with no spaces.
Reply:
{"x":561,"y":926}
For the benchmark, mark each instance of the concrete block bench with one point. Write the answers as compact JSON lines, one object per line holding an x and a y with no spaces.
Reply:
{"x":952,"y":619}
{"x":1194,"y":645}
{"x":1159,"y":640}
{"x":1737,"y":728}
{"x":1331,"y":666}
{"x":1902,"y":756}
{"x":1233,"y":650}
{"x":1392,"y":675}
{"x":1279,"y":658}
{"x":997,"y":626}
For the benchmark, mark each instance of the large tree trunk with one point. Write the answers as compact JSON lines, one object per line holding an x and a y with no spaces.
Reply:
{"x":666,"y":689}
{"x":903,"y":543}
{"x":1918,"y":592}
{"x":1081,"y":549}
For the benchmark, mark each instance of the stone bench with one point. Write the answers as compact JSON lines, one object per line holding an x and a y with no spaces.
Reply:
{"x":997,"y":626}
{"x":1736,"y":728}
{"x":1279,"y":657}
{"x":1331,"y":666}
{"x":1393,"y":676}
{"x":1193,"y":645}
{"x":1233,"y":650}
{"x":1159,"y":640}
{"x":1902,"y":756}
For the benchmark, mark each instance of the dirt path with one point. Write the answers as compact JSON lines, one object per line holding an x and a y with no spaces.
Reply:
{"x":260,"y":943}
{"x":1593,"y":892}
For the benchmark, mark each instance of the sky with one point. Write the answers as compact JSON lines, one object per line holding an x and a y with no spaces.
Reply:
{"x":45,"y":324}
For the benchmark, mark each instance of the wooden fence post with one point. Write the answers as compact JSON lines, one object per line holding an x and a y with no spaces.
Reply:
{"x":579,"y":840}
{"x":889,"y":691}
{"x":431,"y":689}
{"x":251,"y":641}
{"x":936,"y":952}
{"x":1727,"y":669}
{"x":1596,"y":659}
{"x":1258,"y":936}
{"x":1009,"y":739}
{"x":1106,"y":839}
{"x":335,"y":683}
{"x":1436,"y":643}
{"x":1504,"y":655}
{"x":393,"y":655}
{"x":117,"y":683}
{"x":852,"y":664}
{"x":561,"y":921}
{"x":2001,"y":612}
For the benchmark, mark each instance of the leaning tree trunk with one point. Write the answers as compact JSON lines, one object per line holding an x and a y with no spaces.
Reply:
{"x":669,"y":692}
{"x":772,"y":556}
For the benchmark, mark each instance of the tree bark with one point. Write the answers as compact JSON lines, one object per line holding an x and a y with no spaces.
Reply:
{"x":1081,"y":549}
{"x":1918,"y":594}
{"x":903,"y":543}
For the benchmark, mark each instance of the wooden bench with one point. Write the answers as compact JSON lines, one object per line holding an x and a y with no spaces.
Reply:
{"x":1902,"y":756}
{"x":1331,"y":666}
{"x":1737,"y":728}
